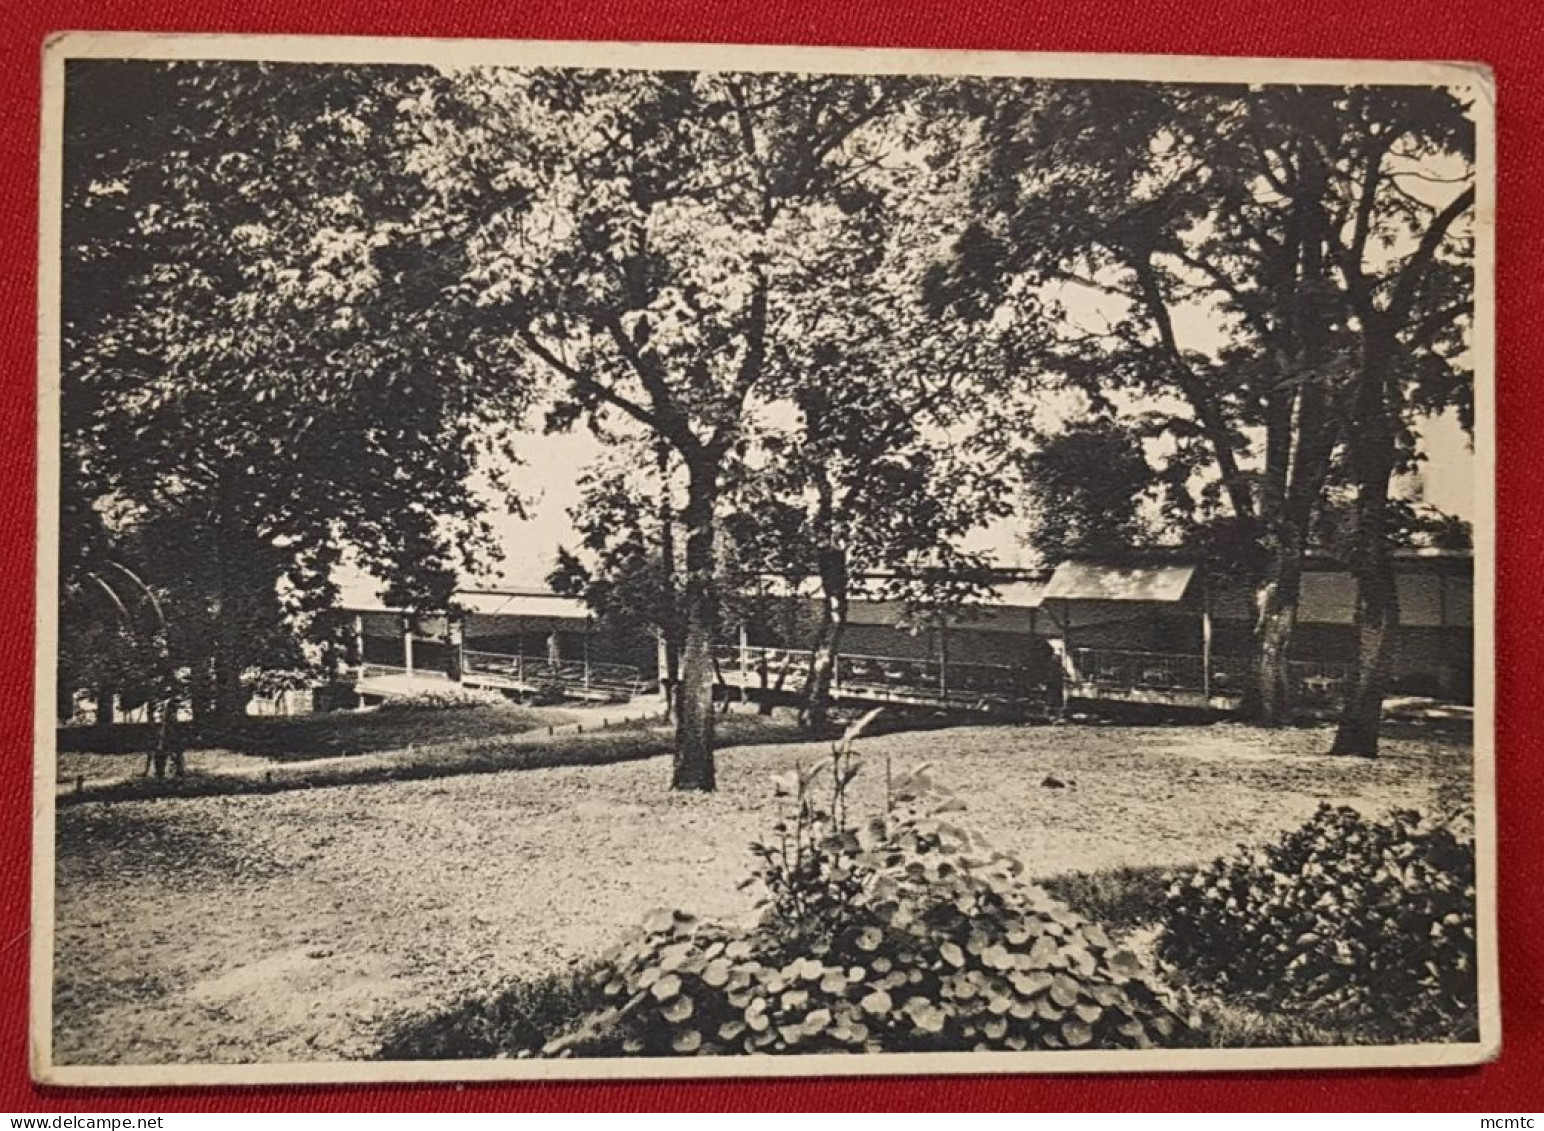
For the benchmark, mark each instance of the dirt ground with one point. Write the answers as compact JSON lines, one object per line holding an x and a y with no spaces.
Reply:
{"x":296,"y":926}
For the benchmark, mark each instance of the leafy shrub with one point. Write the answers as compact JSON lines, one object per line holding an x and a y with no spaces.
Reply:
{"x":1360,"y":922}
{"x":273,"y":682}
{"x":450,"y":697}
{"x":909,"y":934}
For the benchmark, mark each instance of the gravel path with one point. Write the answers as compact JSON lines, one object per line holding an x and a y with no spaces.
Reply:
{"x":296,"y":926}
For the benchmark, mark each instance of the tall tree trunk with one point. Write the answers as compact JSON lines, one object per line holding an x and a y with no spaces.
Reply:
{"x":230,"y":694}
{"x":106,"y":705}
{"x":158,"y":724}
{"x":1300,"y":440}
{"x":670,"y":673}
{"x":670,"y":629}
{"x":1268,"y":700}
{"x":1371,"y":436}
{"x":1377,"y":623}
{"x":828,"y":638}
{"x":693,"y":768}
{"x":201,"y":698}
{"x":230,"y":701}
{"x":455,"y":651}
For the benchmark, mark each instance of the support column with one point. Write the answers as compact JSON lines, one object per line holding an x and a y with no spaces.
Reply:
{"x":407,"y":644}
{"x":663,"y":663}
{"x":745,"y":652}
{"x":455,"y":641}
{"x":943,"y":662}
{"x":359,"y":644}
{"x":1206,"y":641}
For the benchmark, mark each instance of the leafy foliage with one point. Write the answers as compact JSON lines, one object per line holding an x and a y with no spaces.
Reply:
{"x":1087,"y":483}
{"x":1351,"y":919}
{"x":452,"y":696}
{"x":1118,"y":898}
{"x":1323,"y":237}
{"x":259,"y":368}
{"x":907,"y":934}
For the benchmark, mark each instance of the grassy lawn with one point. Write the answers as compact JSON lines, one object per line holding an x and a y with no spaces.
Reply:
{"x":304,"y":924}
{"x":352,"y":748}
{"x":318,"y":735}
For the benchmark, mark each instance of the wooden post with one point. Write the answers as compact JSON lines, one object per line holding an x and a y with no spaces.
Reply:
{"x":744,"y":660}
{"x":1206,"y":640}
{"x":455,"y":640}
{"x":407,"y":644}
{"x":359,"y":642}
{"x":943,"y":662}
{"x":663,"y":663}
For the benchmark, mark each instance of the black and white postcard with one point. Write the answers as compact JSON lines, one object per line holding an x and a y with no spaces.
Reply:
{"x":565,"y":560}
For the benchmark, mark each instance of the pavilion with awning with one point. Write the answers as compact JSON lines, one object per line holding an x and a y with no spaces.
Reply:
{"x":1141,"y":631}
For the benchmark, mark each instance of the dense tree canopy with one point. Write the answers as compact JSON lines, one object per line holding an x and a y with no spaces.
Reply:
{"x":258,"y":370}
{"x":646,"y":240}
{"x":1284,"y":268}
{"x":825,"y":319}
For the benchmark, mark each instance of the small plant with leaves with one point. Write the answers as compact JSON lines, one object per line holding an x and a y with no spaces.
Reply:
{"x":907,"y":933}
{"x":807,"y":871}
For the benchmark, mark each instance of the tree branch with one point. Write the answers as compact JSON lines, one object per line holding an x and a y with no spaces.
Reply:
{"x":586,"y":384}
{"x":672,"y":421}
{"x":1414,"y":271}
{"x":1202,"y":403}
{"x":751,"y":365}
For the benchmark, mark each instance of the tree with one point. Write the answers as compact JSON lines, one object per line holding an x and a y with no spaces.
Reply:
{"x":1191,"y":244}
{"x":639,"y":238}
{"x":1138,"y":217}
{"x":625,"y":566}
{"x":878,"y":476}
{"x":256,"y":371}
{"x":1086,"y":483}
{"x":1397,"y":236}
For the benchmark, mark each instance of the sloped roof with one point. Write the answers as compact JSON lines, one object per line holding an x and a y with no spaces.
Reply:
{"x":503,"y":603}
{"x":1019,"y":594}
{"x":529,"y":605}
{"x":1011,"y":595}
{"x":1100,"y":581}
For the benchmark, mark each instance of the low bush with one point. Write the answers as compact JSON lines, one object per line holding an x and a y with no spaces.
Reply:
{"x":1365,"y":923}
{"x":902,"y":933}
{"x":450,"y":697}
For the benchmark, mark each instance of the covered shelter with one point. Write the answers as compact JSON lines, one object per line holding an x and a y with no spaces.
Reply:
{"x":1140,"y":630}
{"x":519,"y":641}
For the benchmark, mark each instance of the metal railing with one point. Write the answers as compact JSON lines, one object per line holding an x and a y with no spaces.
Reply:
{"x":1139,"y":671}
{"x":1319,"y":683}
{"x":382,"y":671}
{"x":859,"y":676}
{"x":1314,"y":683}
{"x":537,"y":671}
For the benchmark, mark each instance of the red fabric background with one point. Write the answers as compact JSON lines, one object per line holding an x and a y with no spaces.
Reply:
{"x":1508,"y":34}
